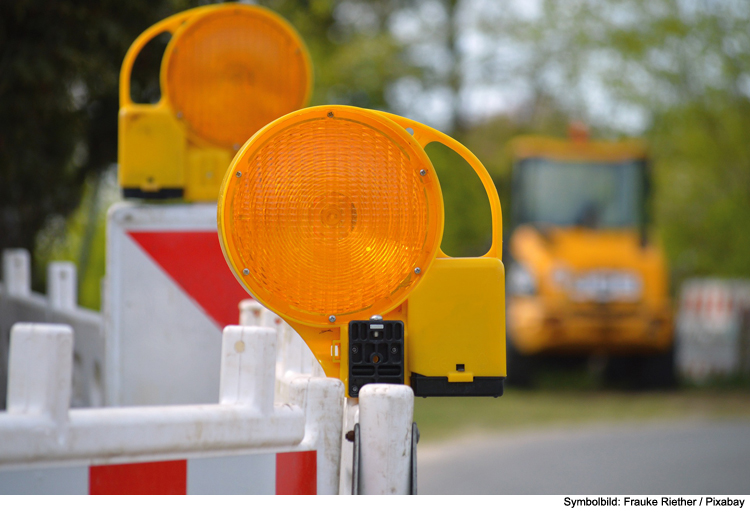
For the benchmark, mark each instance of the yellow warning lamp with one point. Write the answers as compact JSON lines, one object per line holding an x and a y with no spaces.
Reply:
{"x":227,"y":71}
{"x":332,"y":217}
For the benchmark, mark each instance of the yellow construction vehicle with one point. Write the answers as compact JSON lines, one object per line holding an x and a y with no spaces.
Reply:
{"x":583,"y":277}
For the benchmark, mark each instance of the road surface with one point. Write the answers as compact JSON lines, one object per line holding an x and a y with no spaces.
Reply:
{"x":689,"y":457}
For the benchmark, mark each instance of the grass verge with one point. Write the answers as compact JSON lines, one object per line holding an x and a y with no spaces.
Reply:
{"x":440,"y":418}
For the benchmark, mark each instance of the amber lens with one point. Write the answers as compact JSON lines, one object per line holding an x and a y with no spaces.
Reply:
{"x":331,"y":216}
{"x":231,"y":71}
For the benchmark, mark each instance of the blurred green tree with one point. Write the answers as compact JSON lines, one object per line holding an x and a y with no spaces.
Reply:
{"x":677,"y":70}
{"x":59,"y":67}
{"x":354,"y":55}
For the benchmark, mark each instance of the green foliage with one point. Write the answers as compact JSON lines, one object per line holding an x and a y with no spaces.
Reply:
{"x":81,"y":238}
{"x":695,"y":59}
{"x":467,"y":210}
{"x":702,"y":170}
{"x":59,"y":67}
{"x":354,"y":56}
{"x":681,"y":68}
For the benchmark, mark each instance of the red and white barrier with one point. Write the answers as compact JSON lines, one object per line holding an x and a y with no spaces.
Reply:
{"x":205,"y":412}
{"x":244,"y":443}
{"x":709,"y":304}
{"x":384,"y":413}
{"x":712,"y":328}
{"x":237,"y":474}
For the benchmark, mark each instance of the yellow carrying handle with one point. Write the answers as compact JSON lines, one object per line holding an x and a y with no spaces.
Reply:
{"x":425,"y":135}
{"x":168,"y":25}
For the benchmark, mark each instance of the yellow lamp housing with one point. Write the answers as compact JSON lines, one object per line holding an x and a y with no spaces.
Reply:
{"x":332,"y":217}
{"x":227,"y":71}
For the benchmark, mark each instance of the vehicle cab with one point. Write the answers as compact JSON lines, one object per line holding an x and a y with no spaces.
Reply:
{"x":583,"y":278}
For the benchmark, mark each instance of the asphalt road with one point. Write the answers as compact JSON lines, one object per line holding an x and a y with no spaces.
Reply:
{"x":695,"y":457}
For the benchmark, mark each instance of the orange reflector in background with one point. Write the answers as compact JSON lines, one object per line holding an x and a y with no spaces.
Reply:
{"x":330,"y":211}
{"x":231,"y":71}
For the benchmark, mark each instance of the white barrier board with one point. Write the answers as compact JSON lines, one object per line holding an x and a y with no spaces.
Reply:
{"x":168,"y":295}
{"x":282,"y":473}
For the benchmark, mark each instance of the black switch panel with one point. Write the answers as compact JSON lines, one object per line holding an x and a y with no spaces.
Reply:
{"x":376,"y":354}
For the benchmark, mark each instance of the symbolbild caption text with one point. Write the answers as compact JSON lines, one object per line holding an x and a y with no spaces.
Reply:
{"x":654,"y":501}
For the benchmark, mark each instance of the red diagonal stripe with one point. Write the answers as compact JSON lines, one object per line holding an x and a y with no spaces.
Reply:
{"x":193,"y":259}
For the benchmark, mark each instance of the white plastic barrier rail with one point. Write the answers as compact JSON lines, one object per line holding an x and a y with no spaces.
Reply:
{"x":384,"y":412}
{"x":19,"y":304}
{"x":39,"y":430}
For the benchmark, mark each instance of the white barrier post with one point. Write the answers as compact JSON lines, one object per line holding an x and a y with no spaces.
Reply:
{"x":323,"y":401}
{"x":292,"y":354}
{"x":17,"y":272}
{"x":62,"y":291}
{"x":298,"y":383}
{"x":268,"y":318}
{"x":247,"y":366}
{"x":386,"y":413}
{"x":39,"y":370}
{"x":250,"y":313}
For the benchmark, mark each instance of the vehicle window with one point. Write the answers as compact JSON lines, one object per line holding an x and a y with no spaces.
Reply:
{"x":594,"y":195}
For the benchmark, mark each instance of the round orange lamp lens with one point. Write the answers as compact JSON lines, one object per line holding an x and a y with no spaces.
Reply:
{"x":327,"y":212}
{"x":230,"y":72}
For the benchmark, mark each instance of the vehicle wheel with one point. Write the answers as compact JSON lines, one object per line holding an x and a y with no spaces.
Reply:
{"x":658,"y":372}
{"x":622,"y":372}
{"x":519,"y":366}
